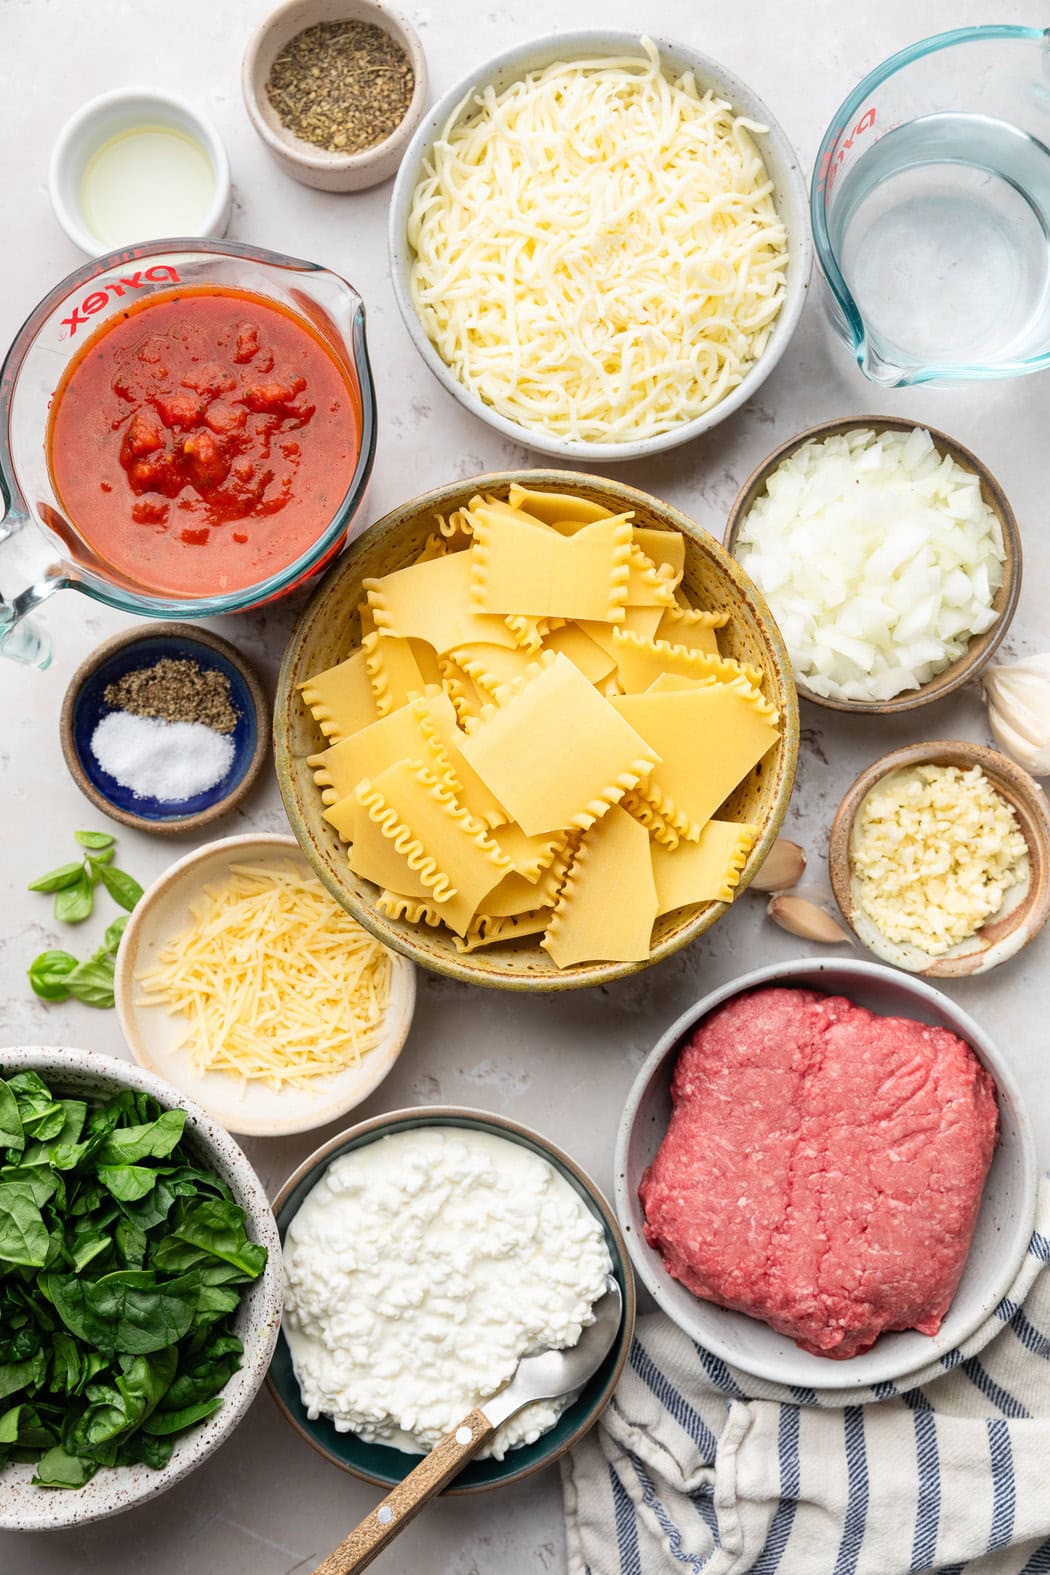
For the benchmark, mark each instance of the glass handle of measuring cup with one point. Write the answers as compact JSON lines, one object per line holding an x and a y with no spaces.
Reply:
{"x":21,"y":637}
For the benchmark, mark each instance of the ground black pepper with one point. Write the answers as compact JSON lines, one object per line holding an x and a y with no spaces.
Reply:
{"x":176,"y":690}
{"x":344,"y":86}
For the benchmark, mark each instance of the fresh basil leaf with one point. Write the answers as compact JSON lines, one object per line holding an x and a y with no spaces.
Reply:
{"x":111,"y":939}
{"x":58,"y":1469}
{"x":154,"y":1140}
{"x":92,"y":982}
{"x":95,"y":839}
{"x":128,"y":1183}
{"x":75,"y":901}
{"x":48,"y":974}
{"x":162,"y":1423}
{"x":123,"y":888}
{"x":24,"y":1238}
{"x":58,"y":880}
{"x":11,"y":1134}
{"x":218,"y":1227}
{"x":125,"y":1311}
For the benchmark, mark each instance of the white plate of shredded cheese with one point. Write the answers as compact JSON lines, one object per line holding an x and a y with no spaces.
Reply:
{"x":242,"y":981}
{"x":599,"y":243}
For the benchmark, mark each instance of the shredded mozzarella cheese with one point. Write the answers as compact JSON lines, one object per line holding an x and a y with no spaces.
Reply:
{"x":597,"y":251}
{"x":276,"y":981}
{"x":933,"y":852}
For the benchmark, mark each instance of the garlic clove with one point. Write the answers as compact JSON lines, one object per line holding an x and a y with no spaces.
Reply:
{"x":805,"y":919}
{"x":784,"y":866}
{"x":1018,"y":699}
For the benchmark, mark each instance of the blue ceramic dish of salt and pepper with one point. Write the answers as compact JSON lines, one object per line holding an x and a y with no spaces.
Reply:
{"x":85,"y":707}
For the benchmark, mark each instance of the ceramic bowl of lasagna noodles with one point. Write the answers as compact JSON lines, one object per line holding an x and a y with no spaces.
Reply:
{"x":599,"y":243}
{"x":825,"y":1175}
{"x":535,"y":730}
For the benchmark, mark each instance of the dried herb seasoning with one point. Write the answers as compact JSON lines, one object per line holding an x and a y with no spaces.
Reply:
{"x":176,"y":689}
{"x":344,"y":86}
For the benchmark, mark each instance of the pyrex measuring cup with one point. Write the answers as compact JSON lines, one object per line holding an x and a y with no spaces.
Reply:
{"x":40,"y":548}
{"x":931,"y":209}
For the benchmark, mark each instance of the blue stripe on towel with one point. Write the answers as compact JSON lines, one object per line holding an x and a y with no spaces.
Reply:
{"x":1039,"y":1563}
{"x":928,"y":1463}
{"x":982,"y":1380}
{"x":1002,"y":1484}
{"x":856,"y":1491}
{"x":1031,"y":1338}
{"x":1006,"y":1309}
{"x":804,"y":1396}
{"x":951,"y":1359}
{"x":884,"y":1391}
{"x":650,"y":1497}
{"x":684,"y":1414}
{"x":719,"y":1373}
{"x":790,"y":1484}
{"x":626,"y":1527}
{"x":1039,"y":1246}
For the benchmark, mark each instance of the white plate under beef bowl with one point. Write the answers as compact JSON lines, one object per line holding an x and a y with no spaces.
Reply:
{"x":1004,"y":1224}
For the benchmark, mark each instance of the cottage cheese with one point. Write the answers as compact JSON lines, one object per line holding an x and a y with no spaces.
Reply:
{"x":419,"y":1271}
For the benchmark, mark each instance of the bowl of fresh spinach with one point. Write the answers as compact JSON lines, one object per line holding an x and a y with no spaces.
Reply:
{"x":140,"y":1286}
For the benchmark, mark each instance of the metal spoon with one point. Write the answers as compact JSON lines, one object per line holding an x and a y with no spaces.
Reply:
{"x":541,"y":1377}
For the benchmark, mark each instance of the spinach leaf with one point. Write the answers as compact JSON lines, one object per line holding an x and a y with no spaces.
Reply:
{"x":24,"y":1238}
{"x":126,"y":1311}
{"x":154,"y":1139}
{"x":11,"y":1134}
{"x":128,"y":1182}
{"x":218,"y":1228}
{"x":164,"y":1422}
{"x":58,"y":1469}
{"x":27,"y":1374}
{"x":28,"y":1426}
{"x":41,"y":1116}
{"x":123,"y":888}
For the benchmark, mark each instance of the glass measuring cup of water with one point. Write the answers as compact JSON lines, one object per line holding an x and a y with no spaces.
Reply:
{"x":41,"y":550}
{"x":931,"y":209}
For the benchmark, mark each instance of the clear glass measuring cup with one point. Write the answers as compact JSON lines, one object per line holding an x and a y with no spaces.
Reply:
{"x":931,"y":209}
{"x":40,"y":549}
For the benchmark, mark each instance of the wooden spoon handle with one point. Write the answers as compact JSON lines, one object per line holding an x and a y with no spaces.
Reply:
{"x":445,"y":1461}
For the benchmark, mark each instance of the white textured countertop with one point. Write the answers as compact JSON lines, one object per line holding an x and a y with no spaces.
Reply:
{"x":265,"y":1503}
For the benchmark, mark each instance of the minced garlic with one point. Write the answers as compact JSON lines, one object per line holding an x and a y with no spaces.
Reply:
{"x":933,"y":851}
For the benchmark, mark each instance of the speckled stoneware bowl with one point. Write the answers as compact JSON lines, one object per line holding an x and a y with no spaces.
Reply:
{"x":85,"y":1074}
{"x":1026,"y":906}
{"x":330,"y":628}
{"x":982,"y":647}
{"x":377,"y":1462}
{"x":1004,"y":1224}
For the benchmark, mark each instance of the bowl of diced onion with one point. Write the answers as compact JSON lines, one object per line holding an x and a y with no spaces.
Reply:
{"x":599,"y":243}
{"x":889,"y":556}
{"x":244,"y":984}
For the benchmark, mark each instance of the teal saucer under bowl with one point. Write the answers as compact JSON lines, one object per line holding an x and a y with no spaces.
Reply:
{"x":377,"y":1462}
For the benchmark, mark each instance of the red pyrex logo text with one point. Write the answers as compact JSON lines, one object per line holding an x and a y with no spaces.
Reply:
{"x":832,"y":162}
{"x":133,"y":281}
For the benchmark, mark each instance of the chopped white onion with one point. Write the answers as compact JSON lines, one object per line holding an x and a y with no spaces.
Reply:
{"x":879,"y":559}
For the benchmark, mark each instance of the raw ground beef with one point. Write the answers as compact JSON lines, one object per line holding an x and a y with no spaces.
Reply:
{"x":823,"y":1167}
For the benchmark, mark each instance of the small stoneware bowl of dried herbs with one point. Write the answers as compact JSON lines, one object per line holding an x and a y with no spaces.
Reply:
{"x":165,"y":727}
{"x":335,"y":89}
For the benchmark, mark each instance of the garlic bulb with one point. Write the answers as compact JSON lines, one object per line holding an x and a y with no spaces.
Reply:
{"x":1019,"y":711}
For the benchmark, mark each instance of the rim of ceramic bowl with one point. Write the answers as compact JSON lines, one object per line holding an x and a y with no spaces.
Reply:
{"x":472,"y":967}
{"x":513,"y":1131}
{"x":104,"y":1495}
{"x":789,"y":186}
{"x":830,"y":972}
{"x":1009,"y":932}
{"x":295,"y":150}
{"x":74,"y":133}
{"x":136,"y":1035}
{"x":981,"y":647}
{"x":140,"y":634}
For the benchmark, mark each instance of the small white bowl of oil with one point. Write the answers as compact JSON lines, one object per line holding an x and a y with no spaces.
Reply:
{"x":136,"y":165}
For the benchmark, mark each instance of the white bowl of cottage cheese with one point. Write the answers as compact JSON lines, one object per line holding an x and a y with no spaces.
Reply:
{"x":425,"y":1253}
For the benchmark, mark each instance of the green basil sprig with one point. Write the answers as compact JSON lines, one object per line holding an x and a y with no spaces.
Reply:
{"x":57,"y":975}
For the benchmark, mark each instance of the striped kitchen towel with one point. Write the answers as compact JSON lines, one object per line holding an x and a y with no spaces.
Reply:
{"x":695,"y":1467}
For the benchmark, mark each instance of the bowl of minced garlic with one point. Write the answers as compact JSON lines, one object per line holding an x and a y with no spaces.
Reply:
{"x":939,"y":858}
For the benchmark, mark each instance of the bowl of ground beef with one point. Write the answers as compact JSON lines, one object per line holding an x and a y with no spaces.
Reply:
{"x":825,"y":1175}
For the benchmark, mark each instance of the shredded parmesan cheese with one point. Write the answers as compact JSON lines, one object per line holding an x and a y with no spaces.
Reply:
{"x":276,"y":982}
{"x":933,"y":852}
{"x":597,"y":251}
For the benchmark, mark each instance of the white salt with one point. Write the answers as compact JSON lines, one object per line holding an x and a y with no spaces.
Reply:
{"x":168,"y":761}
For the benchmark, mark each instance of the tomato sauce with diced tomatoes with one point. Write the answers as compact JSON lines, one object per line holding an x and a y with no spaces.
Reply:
{"x":203,"y":440}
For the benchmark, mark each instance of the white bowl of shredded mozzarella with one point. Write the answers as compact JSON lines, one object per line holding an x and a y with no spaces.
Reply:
{"x":879,"y":558}
{"x":599,"y":243}
{"x":243,"y":982}
{"x":421,"y":1268}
